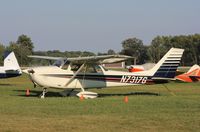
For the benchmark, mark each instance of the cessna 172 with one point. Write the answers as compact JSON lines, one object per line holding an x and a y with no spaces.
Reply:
{"x":11,"y":67}
{"x":87,"y":72}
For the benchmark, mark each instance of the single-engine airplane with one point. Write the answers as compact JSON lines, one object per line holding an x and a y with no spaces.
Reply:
{"x":87,"y":72}
{"x":11,"y":67}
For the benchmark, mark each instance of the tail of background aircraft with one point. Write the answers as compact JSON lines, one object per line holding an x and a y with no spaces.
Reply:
{"x":10,"y":62}
{"x":192,"y":69}
{"x":167,"y":66}
{"x":193,"y":75}
{"x":11,"y":67}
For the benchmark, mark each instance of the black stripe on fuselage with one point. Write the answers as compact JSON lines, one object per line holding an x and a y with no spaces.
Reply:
{"x":169,"y":66}
{"x":172,"y":60}
{"x":109,"y":78}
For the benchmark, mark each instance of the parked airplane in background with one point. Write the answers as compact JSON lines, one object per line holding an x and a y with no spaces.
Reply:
{"x":143,"y":67}
{"x":193,"y":75}
{"x":87,"y":72}
{"x":135,"y":69}
{"x":11,"y":67}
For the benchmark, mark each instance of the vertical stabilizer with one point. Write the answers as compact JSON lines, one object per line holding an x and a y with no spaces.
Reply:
{"x":194,"y":67}
{"x":10,"y":62}
{"x":167,"y":66}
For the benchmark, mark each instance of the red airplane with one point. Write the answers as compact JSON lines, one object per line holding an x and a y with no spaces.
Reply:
{"x":193,"y":75}
{"x":138,"y":68}
{"x":135,"y":69}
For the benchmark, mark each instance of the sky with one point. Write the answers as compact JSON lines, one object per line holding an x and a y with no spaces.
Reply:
{"x":95,"y":25}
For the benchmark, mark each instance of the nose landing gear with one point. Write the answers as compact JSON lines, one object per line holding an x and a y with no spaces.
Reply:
{"x":42,"y":96}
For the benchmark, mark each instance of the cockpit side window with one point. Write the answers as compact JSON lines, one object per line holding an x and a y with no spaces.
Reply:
{"x":75,"y":67}
{"x":98,"y":69}
{"x":89,"y":68}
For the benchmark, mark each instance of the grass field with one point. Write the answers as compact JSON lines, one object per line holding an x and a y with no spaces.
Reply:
{"x":150,"y":108}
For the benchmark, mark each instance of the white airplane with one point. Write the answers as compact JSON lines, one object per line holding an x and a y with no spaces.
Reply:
{"x":11,"y":67}
{"x":87,"y":72}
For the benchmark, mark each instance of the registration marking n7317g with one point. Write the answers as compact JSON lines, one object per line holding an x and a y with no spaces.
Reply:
{"x":133,"y":79}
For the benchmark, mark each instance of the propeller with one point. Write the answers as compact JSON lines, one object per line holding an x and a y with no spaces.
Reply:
{"x":31,"y":71}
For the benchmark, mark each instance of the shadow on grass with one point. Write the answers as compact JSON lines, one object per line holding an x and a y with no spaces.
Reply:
{"x":6,"y":84}
{"x":130,"y":94}
{"x":36,"y":93}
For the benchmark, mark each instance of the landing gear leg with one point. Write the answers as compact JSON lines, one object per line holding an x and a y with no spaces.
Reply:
{"x":43,"y":93}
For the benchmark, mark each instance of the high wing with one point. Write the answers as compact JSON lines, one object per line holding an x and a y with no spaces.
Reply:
{"x":90,"y":59}
{"x":47,"y":57}
{"x":100,"y":59}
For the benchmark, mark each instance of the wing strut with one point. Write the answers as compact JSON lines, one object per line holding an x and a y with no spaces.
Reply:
{"x":75,"y":74}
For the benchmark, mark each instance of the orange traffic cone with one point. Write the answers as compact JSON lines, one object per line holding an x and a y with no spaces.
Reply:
{"x":27,"y":92}
{"x":126,"y":99}
{"x":81,"y":97}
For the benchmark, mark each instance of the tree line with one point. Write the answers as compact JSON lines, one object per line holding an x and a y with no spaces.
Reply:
{"x":160,"y":45}
{"x":131,"y":46}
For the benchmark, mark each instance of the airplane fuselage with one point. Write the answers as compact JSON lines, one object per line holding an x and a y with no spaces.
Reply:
{"x":55,"y":77}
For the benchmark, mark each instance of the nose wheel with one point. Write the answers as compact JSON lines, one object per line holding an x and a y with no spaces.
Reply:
{"x":42,"y":96}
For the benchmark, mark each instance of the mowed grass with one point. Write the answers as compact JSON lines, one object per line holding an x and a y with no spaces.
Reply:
{"x":149,"y":108}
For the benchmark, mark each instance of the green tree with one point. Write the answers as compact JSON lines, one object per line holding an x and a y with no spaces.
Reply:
{"x":196,"y":42}
{"x":2,"y":49}
{"x":156,"y":49}
{"x":22,"y":48}
{"x":26,"y":48}
{"x":25,"y":42}
{"x":134,"y":47}
{"x":111,"y":52}
{"x":190,"y":43}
